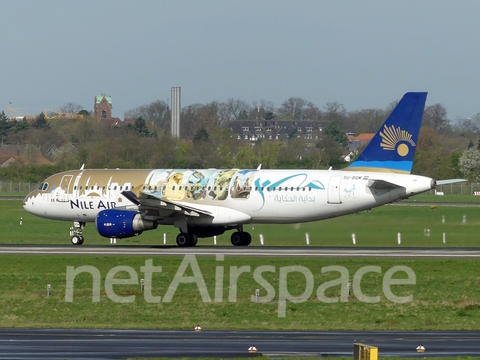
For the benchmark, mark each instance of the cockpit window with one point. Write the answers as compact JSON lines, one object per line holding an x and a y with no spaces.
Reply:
{"x":45,"y":186}
{"x":40,"y":186}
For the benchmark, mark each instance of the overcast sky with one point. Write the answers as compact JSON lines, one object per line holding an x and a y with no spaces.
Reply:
{"x":363,"y":54}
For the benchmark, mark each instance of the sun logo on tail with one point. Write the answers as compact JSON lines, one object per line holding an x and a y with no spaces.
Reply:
{"x":391,"y":137}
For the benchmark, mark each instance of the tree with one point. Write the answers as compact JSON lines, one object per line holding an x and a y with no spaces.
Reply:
{"x":435,"y":116}
{"x":232,"y":110}
{"x":334,"y":110}
{"x":156,"y":112}
{"x":140,"y":126}
{"x":261,"y":109}
{"x":334,"y":131}
{"x":40,"y":122}
{"x":470,"y":164}
{"x":201,"y":135}
{"x":71,"y":108}
{"x":365,"y":121}
{"x":299,"y":109}
{"x":5,"y":126}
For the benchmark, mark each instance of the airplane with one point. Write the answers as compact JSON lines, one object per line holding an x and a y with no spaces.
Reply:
{"x":208,"y":202}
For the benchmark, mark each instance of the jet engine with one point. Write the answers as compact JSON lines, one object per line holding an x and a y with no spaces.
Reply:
{"x":114,"y":223}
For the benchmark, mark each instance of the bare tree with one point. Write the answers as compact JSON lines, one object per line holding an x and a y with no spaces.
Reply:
{"x":435,"y":116}
{"x":334,"y":110}
{"x":297,"y":109}
{"x":262,"y":109}
{"x":71,"y":108}
{"x":233,"y":110}
{"x":156,"y":112}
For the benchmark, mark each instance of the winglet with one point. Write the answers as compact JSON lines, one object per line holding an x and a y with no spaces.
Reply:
{"x":393,"y":146}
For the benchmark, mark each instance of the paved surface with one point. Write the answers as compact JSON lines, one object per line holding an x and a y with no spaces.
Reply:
{"x":115,"y":344}
{"x":264,"y":251}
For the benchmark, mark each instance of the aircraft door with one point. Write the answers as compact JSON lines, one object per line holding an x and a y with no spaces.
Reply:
{"x":65,"y":186}
{"x":334,"y":190}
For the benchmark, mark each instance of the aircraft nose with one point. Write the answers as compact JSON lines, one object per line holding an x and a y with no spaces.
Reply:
{"x":28,"y":202}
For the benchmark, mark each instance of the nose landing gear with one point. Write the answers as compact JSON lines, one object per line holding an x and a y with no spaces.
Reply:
{"x":76,"y":233}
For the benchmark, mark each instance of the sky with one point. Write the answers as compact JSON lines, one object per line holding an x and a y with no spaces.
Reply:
{"x":362,"y":54}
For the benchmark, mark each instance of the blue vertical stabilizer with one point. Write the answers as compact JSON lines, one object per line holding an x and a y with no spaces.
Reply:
{"x":393,"y":146}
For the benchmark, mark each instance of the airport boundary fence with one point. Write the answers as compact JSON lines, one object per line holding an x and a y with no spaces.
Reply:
{"x":20,"y":187}
{"x":462,"y":188}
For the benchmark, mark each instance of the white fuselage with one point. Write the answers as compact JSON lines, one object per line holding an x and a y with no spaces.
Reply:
{"x":230,"y":197}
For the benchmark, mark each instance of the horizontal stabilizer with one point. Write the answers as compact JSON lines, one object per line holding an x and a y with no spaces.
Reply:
{"x":382,"y":185}
{"x":450,"y":181}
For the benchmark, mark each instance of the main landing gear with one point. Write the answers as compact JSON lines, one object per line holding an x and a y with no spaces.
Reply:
{"x":240,"y":238}
{"x":76,"y":233}
{"x":186,"y":240}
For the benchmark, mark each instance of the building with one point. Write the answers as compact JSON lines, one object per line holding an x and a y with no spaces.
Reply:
{"x":359,"y":141}
{"x":103,"y":107}
{"x":25,"y":154}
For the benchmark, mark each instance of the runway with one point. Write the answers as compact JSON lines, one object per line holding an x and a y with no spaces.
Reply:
{"x":115,"y":344}
{"x":264,"y":251}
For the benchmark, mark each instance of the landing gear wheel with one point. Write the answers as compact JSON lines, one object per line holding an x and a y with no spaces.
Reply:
{"x":76,"y":240}
{"x":239,"y":238}
{"x":236,"y":239}
{"x":194,"y":240}
{"x":81,"y":240}
{"x":247,"y":239}
{"x":184,"y":240}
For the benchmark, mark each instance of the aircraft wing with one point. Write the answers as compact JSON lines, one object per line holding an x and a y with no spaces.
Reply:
{"x":450,"y":181}
{"x":145,"y":200}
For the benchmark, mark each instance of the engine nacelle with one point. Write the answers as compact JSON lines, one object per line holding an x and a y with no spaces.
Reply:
{"x":114,"y":223}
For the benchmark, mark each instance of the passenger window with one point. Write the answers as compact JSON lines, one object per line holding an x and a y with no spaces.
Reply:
{"x":179,"y":188}
{"x":120,"y":188}
{"x":115,"y":187}
{"x":75,"y":187}
{"x":81,"y":187}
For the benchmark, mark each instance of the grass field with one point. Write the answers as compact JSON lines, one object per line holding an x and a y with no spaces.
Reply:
{"x":378,"y":227}
{"x":445,"y":296}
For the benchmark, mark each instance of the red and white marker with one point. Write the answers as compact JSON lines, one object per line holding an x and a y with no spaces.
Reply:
{"x":198,"y":328}
{"x":252,"y":349}
{"x":420,"y":348}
